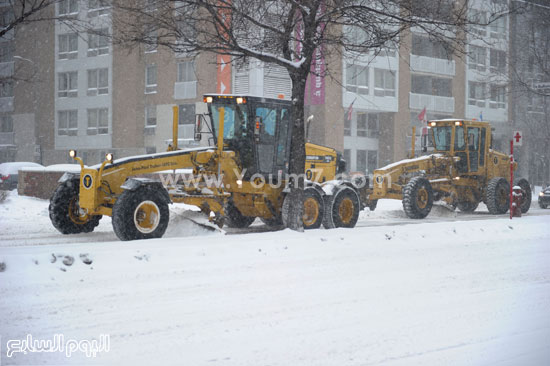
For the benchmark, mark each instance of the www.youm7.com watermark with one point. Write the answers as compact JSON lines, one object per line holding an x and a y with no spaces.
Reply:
{"x":58,"y":343}
{"x":257,"y":180}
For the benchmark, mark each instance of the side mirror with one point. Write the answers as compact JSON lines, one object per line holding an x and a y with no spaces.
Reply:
{"x":198,"y":129}
{"x":424,"y":143}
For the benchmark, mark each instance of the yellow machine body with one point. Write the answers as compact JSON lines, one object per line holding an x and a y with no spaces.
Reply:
{"x":458,"y":170}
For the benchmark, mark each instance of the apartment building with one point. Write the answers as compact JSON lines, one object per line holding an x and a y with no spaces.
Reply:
{"x":99,"y":97}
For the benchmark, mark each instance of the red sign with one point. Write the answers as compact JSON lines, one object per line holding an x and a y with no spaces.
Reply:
{"x":517,"y":137}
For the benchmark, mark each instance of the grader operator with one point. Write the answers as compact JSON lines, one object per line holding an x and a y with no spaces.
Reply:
{"x":250,"y":164}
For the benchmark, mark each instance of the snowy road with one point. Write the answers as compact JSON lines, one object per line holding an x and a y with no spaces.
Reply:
{"x":466,"y":290}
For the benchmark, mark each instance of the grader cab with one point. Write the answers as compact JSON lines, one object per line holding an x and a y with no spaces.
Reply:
{"x":244,"y":177}
{"x":462,"y":171}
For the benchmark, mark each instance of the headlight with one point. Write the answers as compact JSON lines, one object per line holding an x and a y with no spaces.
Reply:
{"x":109,"y":157}
{"x":72,"y":153}
{"x":541,"y":194}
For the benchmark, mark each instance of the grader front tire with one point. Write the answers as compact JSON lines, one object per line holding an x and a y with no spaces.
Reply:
{"x":140,"y":214}
{"x":418,"y":198}
{"x":467,"y":206}
{"x":235,"y":219}
{"x":65,"y":213}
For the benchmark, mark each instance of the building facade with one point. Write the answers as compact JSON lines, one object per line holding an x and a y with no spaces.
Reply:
{"x":98,"y":97}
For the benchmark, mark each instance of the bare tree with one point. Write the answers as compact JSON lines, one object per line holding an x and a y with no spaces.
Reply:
{"x":17,"y":12}
{"x":292,"y":34}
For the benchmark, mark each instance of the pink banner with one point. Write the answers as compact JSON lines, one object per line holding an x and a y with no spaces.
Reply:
{"x":315,"y":84}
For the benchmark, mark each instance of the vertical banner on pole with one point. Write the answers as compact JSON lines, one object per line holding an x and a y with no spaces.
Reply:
{"x":511,"y":175}
{"x":224,"y":61}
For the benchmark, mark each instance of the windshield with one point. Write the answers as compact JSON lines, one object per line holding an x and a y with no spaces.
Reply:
{"x":234,"y":121}
{"x":442,"y":138}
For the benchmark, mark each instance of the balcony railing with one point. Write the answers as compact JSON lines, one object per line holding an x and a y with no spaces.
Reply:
{"x":432,"y":102}
{"x":432,"y":65}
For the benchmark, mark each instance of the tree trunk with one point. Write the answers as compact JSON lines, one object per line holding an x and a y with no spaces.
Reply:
{"x":297,"y":153}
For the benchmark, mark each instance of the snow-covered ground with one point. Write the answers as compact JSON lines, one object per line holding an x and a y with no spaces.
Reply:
{"x":453,"y":289}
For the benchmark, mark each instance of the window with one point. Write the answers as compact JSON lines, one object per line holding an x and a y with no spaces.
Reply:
{"x":423,"y":84}
{"x":150,"y":79}
{"x":361,"y":163}
{"x":497,"y":97}
{"x":98,"y":82}
{"x":187,"y":114}
{"x":347,"y":125}
{"x":384,"y":83}
{"x":68,"y":84}
{"x":424,"y":46}
{"x":476,"y":94}
{"x":347,"y":158}
{"x":535,"y":103}
{"x":7,"y":17}
{"x":478,"y":19}
{"x":67,"y":123}
{"x":186,"y":71}
{"x":356,"y":35}
{"x":150,"y":116}
{"x":362,"y":124}
{"x":98,"y":42}
{"x":98,"y":7}
{"x":498,"y":27}
{"x":6,"y":89}
{"x":498,"y":61}
{"x":68,"y":46}
{"x":67,"y":7}
{"x":98,"y":121}
{"x":477,"y":58}
{"x":151,"y":39}
{"x":6,"y":124}
{"x":372,"y":125}
{"x":357,"y":79}
{"x":150,"y":150}
{"x":6,"y":51}
{"x":372,"y":161}
{"x":151,"y":5}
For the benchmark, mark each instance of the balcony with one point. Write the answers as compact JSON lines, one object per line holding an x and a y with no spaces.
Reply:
{"x":185,"y":90}
{"x":433,"y":103}
{"x":432,"y":65}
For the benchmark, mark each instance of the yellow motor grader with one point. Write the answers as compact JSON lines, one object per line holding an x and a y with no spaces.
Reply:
{"x":244,"y":176}
{"x":462,"y":171}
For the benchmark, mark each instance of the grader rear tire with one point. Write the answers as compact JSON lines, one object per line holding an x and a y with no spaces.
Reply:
{"x":526,"y":187}
{"x":140,"y":214}
{"x":418,"y":198}
{"x":498,"y":196}
{"x":65,"y":212}
{"x":342,"y":208}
